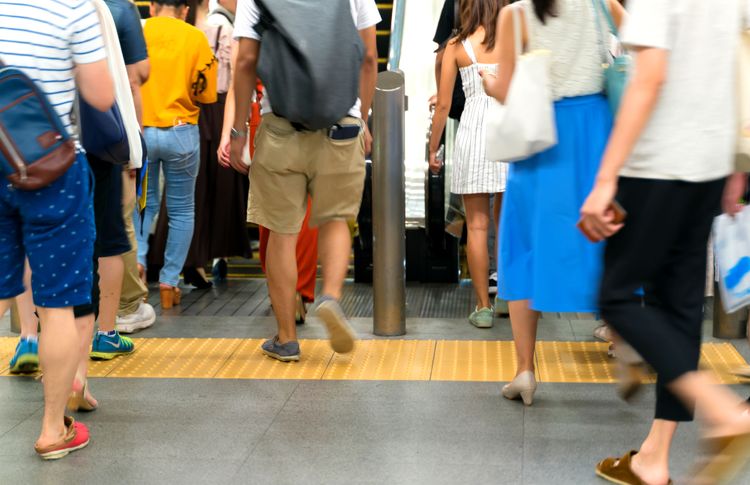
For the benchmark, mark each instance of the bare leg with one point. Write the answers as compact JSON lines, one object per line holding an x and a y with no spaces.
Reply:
{"x":85,"y":327}
{"x":281,"y":270}
{"x":523,"y":321}
{"x":477,"y":208}
{"x":496,"y":210}
{"x":719,"y":405}
{"x":58,"y":343}
{"x":335,"y":243}
{"x":651,"y":464}
{"x":111,"y":273}
{"x":4,"y":306}
{"x":26,"y":309}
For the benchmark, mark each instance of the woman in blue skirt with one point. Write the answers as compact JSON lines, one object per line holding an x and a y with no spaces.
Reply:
{"x":547,"y":264}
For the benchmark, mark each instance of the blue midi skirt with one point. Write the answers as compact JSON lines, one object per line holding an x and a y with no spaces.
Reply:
{"x":544,"y":257}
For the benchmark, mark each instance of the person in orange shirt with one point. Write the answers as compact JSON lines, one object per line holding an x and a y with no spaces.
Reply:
{"x":183,"y":74}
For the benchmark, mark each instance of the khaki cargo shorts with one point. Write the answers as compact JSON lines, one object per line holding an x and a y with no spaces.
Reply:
{"x":290,"y":164}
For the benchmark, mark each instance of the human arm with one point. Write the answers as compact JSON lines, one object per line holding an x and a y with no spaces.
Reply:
{"x":226,"y":129}
{"x":94,"y":82}
{"x":497,"y":85}
{"x":368,"y":78}
{"x":443,"y":107}
{"x":733,"y":192}
{"x":137,"y":75}
{"x":92,"y":76}
{"x":637,"y":106}
{"x":618,"y":12}
{"x":245,"y":74}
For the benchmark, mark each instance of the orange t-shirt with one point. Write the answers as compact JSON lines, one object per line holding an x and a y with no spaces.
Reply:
{"x":183,"y":73}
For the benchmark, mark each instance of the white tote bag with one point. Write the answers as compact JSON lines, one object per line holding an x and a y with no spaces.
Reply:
{"x":123,"y":95}
{"x":525,"y":124}
{"x":731,"y":236}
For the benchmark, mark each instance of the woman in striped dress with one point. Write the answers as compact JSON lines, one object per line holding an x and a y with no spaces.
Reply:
{"x":475,"y":177}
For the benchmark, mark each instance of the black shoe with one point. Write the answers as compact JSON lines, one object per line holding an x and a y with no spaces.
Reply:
{"x":219,"y":270}
{"x":193,"y":277}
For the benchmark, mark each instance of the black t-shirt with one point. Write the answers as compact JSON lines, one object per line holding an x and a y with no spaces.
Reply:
{"x":446,"y":23}
{"x":443,"y":34}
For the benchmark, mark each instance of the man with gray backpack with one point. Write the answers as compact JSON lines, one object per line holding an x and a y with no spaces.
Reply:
{"x":319,"y":69}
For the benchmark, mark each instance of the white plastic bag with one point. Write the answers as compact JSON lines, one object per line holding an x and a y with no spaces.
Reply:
{"x":731,"y":237}
{"x":525,"y":124}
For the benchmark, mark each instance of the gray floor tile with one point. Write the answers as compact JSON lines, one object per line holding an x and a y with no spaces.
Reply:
{"x":472,"y":431}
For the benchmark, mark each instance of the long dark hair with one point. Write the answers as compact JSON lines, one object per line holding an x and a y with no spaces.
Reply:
{"x":480,"y":13}
{"x":544,"y":8}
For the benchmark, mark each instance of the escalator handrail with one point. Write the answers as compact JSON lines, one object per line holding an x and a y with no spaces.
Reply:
{"x":397,"y":34}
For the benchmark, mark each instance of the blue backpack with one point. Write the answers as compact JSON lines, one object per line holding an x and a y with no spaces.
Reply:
{"x":35,"y":147}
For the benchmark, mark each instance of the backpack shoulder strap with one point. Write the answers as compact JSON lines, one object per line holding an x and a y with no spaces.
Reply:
{"x":266,"y":19}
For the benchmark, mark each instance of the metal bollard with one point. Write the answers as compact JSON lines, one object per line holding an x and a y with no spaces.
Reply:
{"x":728,"y":325}
{"x":389,"y":206}
{"x":15,"y":319}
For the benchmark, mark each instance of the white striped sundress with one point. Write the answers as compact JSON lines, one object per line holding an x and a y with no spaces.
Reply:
{"x":472,"y":172}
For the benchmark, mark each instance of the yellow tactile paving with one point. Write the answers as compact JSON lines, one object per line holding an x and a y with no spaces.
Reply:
{"x":248,"y":362}
{"x":7,"y":347}
{"x":179,"y":358}
{"x":574,"y":362}
{"x":384,"y":360}
{"x":722,"y":358}
{"x":409,"y":360}
{"x":458,"y":360}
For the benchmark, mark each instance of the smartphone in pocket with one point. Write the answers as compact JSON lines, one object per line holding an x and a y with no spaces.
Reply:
{"x":344,"y":132}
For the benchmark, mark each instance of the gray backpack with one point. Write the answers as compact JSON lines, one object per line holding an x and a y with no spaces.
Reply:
{"x":310,"y":58}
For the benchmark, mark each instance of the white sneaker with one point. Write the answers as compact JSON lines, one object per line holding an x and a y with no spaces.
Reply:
{"x":142,"y":318}
{"x":493,"y":283}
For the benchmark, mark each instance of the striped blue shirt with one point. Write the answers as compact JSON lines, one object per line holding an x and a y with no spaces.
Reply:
{"x":46,"y":39}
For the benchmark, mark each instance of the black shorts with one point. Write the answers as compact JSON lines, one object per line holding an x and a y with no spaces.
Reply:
{"x":111,"y":237}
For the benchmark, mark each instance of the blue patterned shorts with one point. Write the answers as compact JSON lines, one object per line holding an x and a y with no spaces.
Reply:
{"x":54,"y":228}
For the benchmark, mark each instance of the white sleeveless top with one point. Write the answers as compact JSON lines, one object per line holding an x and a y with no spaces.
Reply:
{"x":575,"y":43}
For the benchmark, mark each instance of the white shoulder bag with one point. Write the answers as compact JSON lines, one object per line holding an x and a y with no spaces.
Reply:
{"x":525,"y":124}
{"x":123,"y":96}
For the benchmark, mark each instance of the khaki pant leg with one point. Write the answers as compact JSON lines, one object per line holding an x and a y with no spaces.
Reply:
{"x":133,"y":289}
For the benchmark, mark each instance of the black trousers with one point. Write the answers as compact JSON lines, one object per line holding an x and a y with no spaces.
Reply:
{"x":111,"y":237}
{"x":662,"y":248}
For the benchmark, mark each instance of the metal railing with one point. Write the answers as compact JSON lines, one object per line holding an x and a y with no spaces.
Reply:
{"x":397,"y":35}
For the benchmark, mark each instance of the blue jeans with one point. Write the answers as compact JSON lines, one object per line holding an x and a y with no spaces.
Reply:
{"x":176,"y":151}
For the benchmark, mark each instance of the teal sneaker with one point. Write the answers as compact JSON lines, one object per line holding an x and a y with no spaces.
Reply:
{"x":482,"y":318}
{"x":107,"y":347}
{"x":26,"y":358}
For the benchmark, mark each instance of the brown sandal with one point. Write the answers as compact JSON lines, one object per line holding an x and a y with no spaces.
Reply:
{"x":617,"y":470}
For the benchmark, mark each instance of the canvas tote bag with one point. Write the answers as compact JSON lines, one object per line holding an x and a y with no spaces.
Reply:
{"x":123,"y":95}
{"x":525,"y":124}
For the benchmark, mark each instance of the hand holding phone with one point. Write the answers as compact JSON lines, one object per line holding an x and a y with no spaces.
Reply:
{"x":620,"y":214}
